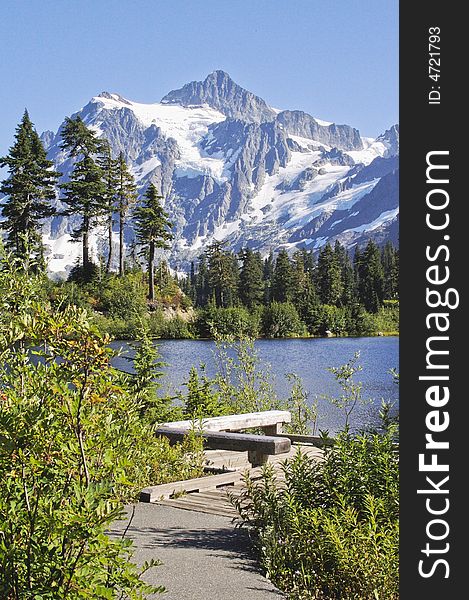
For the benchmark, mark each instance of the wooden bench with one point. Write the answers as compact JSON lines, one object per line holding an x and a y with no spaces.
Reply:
{"x":259,"y":447}
{"x":222,"y":433}
{"x":270,"y":421}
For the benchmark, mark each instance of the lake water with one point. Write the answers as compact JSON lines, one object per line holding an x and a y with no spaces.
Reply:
{"x":308,"y":358}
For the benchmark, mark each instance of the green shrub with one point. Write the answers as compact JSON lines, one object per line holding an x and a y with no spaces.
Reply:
{"x":73,"y":448}
{"x":236,"y":321}
{"x":387,"y":318}
{"x":281,"y":320}
{"x":123,"y":297}
{"x":175,"y":328}
{"x":202,"y":399}
{"x":326,"y":317}
{"x":243,"y":382}
{"x":331,"y":531}
{"x":70,"y":293}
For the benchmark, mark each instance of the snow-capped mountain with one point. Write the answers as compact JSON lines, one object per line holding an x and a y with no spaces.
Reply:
{"x":230,"y":167}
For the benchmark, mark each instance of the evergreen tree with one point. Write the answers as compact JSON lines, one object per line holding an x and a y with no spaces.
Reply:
{"x":299,"y":274}
{"x":202,"y":291}
{"x":267,"y":277}
{"x":329,"y":276}
{"x":191,"y":280}
{"x":29,"y":188}
{"x":108,"y":165}
{"x":371,"y":278}
{"x":201,"y":401}
{"x":187,"y":284}
{"x":126,"y":193}
{"x":153,"y":230}
{"x":305,"y":297}
{"x":347,"y":275}
{"x":357,"y":269}
{"x":283,"y":281}
{"x":222,"y":274}
{"x":251,"y":289}
{"x":308,"y":262}
{"x":85,"y":193}
{"x":390,"y":262}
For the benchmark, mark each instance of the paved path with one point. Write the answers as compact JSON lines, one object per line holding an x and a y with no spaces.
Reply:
{"x":204,"y":557}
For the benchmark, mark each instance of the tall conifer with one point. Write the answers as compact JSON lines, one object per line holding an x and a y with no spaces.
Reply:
{"x":29,"y":190}
{"x":153,"y":230}
{"x":85,"y":192}
{"x":283,"y":279}
{"x":251,"y":289}
{"x":108,"y":165}
{"x":126,"y":197}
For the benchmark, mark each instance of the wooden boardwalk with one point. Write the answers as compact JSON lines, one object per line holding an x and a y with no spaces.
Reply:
{"x":211,"y":494}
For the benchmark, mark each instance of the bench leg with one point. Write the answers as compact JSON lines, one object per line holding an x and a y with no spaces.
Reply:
{"x":273,"y":429}
{"x":257,"y":458}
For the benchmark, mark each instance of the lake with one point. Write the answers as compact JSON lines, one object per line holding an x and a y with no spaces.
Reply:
{"x":308,"y":358}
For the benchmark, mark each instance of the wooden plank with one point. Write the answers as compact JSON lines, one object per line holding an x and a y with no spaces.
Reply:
{"x":315,"y":440}
{"x":165,"y":490}
{"x":224,"y":512}
{"x":204,"y":503}
{"x":223,"y":494}
{"x":239,"y":422}
{"x":223,"y":440}
{"x":226,"y":459}
{"x":234,"y":481}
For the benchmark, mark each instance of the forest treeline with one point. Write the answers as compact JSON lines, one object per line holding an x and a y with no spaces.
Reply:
{"x":299,"y":294}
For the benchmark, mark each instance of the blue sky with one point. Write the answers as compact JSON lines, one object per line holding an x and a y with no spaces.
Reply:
{"x":336,"y":59}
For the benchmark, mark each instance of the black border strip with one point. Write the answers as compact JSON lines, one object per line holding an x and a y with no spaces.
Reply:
{"x":433,"y":119}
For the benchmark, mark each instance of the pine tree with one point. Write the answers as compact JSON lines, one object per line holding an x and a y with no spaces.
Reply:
{"x":29,"y":189}
{"x":283,"y":281}
{"x":329,"y":276}
{"x":202,"y":291}
{"x":222,"y":274}
{"x":108,"y":165}
{"x":191,"y":283}
{"x":299,"y":274}
{"x":305,"y":297}
{"x":308,"y":261}
{"x":371,"y":278}
{"x":347,"y":275}
{"x":267,"y":277}
{"x":251,"y":289}
{"x":126,"y":193}
{"x":85,"y":193}
{"x":153,"y":230}
{"x":390,"y":262}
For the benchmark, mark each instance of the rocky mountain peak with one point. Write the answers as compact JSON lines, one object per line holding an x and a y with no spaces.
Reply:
{"x":219,"y":91}
{"x":390,"y":138}
{"x":116,"y":97}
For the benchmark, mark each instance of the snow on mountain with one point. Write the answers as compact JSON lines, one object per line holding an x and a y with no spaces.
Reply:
{"x":231,"y":167}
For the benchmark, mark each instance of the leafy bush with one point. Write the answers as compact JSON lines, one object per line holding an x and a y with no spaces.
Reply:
{"x":387,"y":318}
{"x":331,"y":531}
{"x":70,"y":293}
{"x":235,"y":321}
{"x":281,"y":320}
{"x":73,"y":447}
{"x":243,"y":383}
{"x":202,"y":399}
{"x":326,"y":317}
{"x":123,"y":297}
{"x":119,"y":329}
{"x":79,"y":274}
{"x":175,"y":328}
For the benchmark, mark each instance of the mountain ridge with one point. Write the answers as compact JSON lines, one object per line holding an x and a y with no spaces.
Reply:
{"x":230,"y":167}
